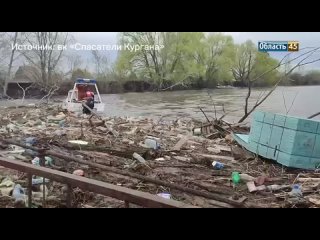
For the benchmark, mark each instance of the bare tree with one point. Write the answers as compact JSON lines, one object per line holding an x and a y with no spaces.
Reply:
{"x":7,"y":57}
{"x":101,"y":63}
{"x":289,"y":64}
{"x":46,"y":98}
{"x":74,"y":61}
{"x":12,"y":54}
{"x":46,"y":55}
{"x":24,"y":90}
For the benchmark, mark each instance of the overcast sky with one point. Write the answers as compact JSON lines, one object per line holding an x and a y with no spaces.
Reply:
{"x":306,"y":39}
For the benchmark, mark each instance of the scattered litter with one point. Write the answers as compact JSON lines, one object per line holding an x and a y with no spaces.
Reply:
{"x":19,"y":195}
{"x":36,"y":161}
{"x":235,"y":178}
{"x":80,"y":142}
{"x":31,"y":140}
{"x":78,"y":172}
{"x":139,"y":158}
{"x":185,"y":158}
{"x":276,"y":187}
{"x":48,"y":161}
{"x":260,"y":180}
{"x":217,"y":165}
{"x":252,"y":188}
{"x":296,"y":191}
{"x":197,"y":131}
{"x":165,"y":195}
{"x":37,"y":181}
{"x":180,"y":158}
{"x":245,"y":177}
{"x":151,"y":143}
{"x":6,"y":186}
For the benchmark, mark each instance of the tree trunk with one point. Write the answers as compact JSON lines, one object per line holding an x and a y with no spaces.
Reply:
{"x":10,"y":65}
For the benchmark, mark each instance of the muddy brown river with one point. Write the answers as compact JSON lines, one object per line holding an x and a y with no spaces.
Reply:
{"x":301,"y":101}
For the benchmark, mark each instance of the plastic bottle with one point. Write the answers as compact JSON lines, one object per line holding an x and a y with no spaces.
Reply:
{"x":236,"y":178}
{"x":245,"y":177}
{"x":296,"y":191}
{"x":37,"y":181}
{"x":276,"y":187}
{"x":48,"y":161}
{"x":36,"y":161}
{"x":139,"y":158}
{"x":18,"y":193}
{"x":217,"y":165}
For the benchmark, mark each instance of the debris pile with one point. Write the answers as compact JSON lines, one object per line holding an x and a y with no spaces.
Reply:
{"x":184,"y":160}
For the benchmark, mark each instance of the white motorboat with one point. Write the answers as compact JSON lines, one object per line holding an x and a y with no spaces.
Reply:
{"x":75,"y":98}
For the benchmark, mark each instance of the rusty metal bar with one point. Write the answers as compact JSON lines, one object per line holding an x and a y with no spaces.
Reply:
{"x":121,"y":193}
{"x":29,"y":190}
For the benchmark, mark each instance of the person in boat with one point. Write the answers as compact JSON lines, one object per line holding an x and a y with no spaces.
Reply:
{"x":89,"y":101}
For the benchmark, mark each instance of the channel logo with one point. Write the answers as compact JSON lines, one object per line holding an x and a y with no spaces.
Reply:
{"x":278,"y":46}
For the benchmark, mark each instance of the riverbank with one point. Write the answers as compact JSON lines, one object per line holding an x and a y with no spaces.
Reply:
{"x":110,"y":87}
{"x":167,"y":158}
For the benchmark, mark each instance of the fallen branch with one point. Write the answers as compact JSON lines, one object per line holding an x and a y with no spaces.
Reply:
{"x":205,"y":115}
{"x":314,"y":115}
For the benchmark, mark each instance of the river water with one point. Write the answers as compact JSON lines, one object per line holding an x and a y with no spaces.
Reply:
{"x":301,"y":101}
{"x":298,"y":101}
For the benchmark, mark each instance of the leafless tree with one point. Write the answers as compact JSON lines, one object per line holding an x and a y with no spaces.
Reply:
{"x":46,"y":98}
{"x":74,"y":61}
{"x":101,"y":63}
{"x":289,"y":64}
{"x":46,"y":56}
{"x":24,"y":90}
{"x":8,"y":56}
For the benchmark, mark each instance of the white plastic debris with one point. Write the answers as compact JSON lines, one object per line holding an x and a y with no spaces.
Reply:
{"x":80,"y":142}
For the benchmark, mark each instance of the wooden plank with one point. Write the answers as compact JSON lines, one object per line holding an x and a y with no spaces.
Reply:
{"x":217,"y":157}
{"x":180,"y":143}
{"x":121,"y":193}
{"x":223,"y":148}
